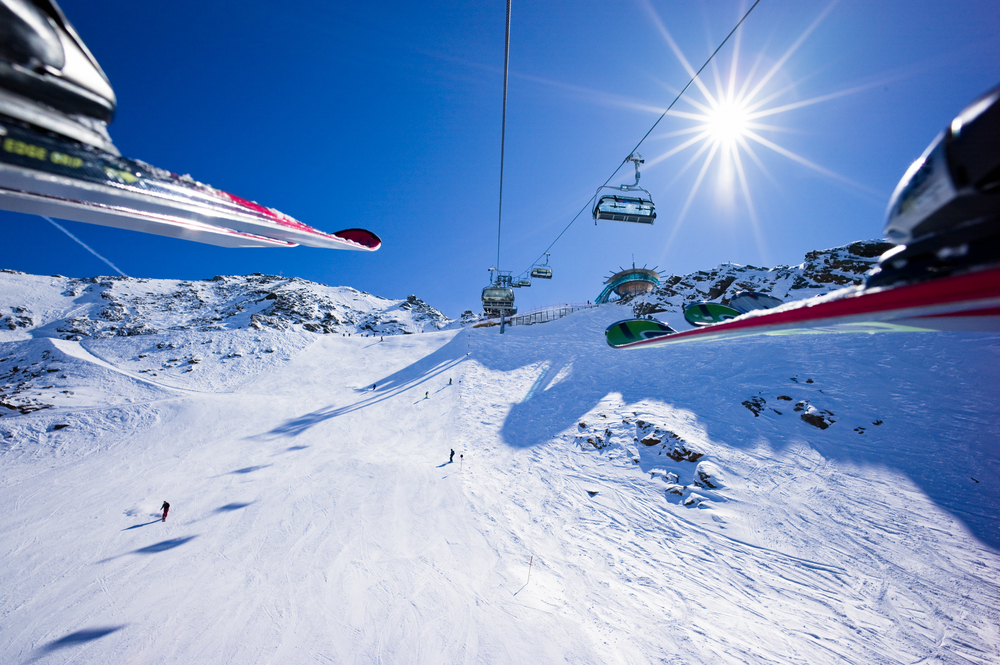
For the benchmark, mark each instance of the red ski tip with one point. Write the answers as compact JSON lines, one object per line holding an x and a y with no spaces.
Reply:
{"x":361,"y":237}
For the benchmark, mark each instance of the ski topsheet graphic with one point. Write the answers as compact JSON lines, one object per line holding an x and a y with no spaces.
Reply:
{"x":44,"y":174}
{"x":966,"y":302}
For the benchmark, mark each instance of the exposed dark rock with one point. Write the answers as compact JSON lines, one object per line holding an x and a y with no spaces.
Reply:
{"x":705,"y":480}
{"x":683,"y":454}
{"x":815,"y":420}
{"x":755,"y":404}
{"x":675,"y":447}
{"x":869,"y":250}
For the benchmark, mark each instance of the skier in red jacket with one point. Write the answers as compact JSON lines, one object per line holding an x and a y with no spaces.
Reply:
{"x":165,"y":507}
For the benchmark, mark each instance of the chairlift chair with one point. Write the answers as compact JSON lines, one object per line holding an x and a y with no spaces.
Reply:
{"x":498,"y":300}
{"x":622,"y":208}
{"x":498,"y":297}
{"x":542,"y":271}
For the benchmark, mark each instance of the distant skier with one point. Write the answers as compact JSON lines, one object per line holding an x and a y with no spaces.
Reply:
{"x":374,"y":386}
{"x":165,"y":508}
{"x":450,"y":459}
{"x":427,"y":395}
{"x":449,"y":382}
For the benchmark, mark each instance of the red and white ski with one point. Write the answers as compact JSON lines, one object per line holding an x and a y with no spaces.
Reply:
{"x":44,"y":174}
{"x":966,"y":302}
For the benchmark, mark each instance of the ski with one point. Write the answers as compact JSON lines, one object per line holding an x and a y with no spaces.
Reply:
{"x":624,"y":333}
{"x":706,"y":313}
{"x":45,"y":174}
{"x":966,"y":302}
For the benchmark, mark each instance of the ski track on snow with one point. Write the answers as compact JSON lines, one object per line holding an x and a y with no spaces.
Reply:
{"x":316,"y":520}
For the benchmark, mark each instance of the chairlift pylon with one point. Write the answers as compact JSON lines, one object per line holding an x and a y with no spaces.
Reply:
{"x":622,"y":208}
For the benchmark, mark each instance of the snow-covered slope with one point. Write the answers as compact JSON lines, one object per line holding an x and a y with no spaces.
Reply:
{"x":818,"y":499}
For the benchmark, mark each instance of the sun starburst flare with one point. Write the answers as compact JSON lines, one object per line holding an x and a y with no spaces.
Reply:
{"x":727,"y":129}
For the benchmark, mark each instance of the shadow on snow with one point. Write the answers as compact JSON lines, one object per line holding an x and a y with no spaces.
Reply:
{"x":908,"y":381}
{"x":425,"y":369}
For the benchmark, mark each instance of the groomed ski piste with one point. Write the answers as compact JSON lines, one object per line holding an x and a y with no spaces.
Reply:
{"x":817,"y":499}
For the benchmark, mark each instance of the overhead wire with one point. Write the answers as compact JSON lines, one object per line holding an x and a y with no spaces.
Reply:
{"x":503,"y":128}
{"x":644,"y":137}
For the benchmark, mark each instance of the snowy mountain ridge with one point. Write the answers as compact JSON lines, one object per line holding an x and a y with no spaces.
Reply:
{"x":822,"y":271}
{"x":102,"y":307}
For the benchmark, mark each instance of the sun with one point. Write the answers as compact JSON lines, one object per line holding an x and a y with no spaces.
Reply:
{"x":727,"y":123}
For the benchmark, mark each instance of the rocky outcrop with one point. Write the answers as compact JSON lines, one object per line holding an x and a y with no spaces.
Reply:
{"x":821,"y":272}
{"x":673,"y":446}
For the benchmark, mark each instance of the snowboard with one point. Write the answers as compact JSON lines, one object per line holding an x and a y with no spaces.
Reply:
{"x":42,"y":173}
{"x":965,"y":302}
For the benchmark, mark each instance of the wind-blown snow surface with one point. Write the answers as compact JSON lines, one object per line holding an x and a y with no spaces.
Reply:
{"x":315,"y":520}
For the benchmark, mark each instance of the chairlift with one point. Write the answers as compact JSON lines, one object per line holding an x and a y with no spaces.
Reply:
{"x":542,"y":271}
{"x":498,"y":298}
{"x":622,"y":208}
{"x":522,"y":282}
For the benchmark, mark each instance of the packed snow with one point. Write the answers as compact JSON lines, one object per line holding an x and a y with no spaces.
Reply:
{"x":791,"y":499}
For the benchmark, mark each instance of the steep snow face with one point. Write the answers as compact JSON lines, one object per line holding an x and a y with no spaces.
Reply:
{"x":101,"y":307}
{"x":821,"y":272}
{"x":826,"y":498}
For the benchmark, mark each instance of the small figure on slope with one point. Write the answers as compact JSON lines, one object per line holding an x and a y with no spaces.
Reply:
{"x":452,"y":457}
{"x":165,"y":508}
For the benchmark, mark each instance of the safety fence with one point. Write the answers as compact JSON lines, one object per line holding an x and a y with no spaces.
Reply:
{"x":547,"y":314}
{"x":543,"y":315}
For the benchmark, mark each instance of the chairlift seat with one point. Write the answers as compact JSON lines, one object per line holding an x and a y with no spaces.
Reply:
{"x":541,"y":272}
{"x":615,"y":208}
{"x":498,"y":300}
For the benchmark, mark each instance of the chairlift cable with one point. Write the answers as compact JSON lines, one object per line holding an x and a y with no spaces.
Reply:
{"x":644,"y":137}
{"x":503,"y":128}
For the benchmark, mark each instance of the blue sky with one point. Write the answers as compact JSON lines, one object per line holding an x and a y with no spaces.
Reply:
{"x":386,"y":115}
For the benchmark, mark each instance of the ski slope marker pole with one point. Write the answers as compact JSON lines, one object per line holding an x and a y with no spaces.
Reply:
{"x":529,"y":569}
